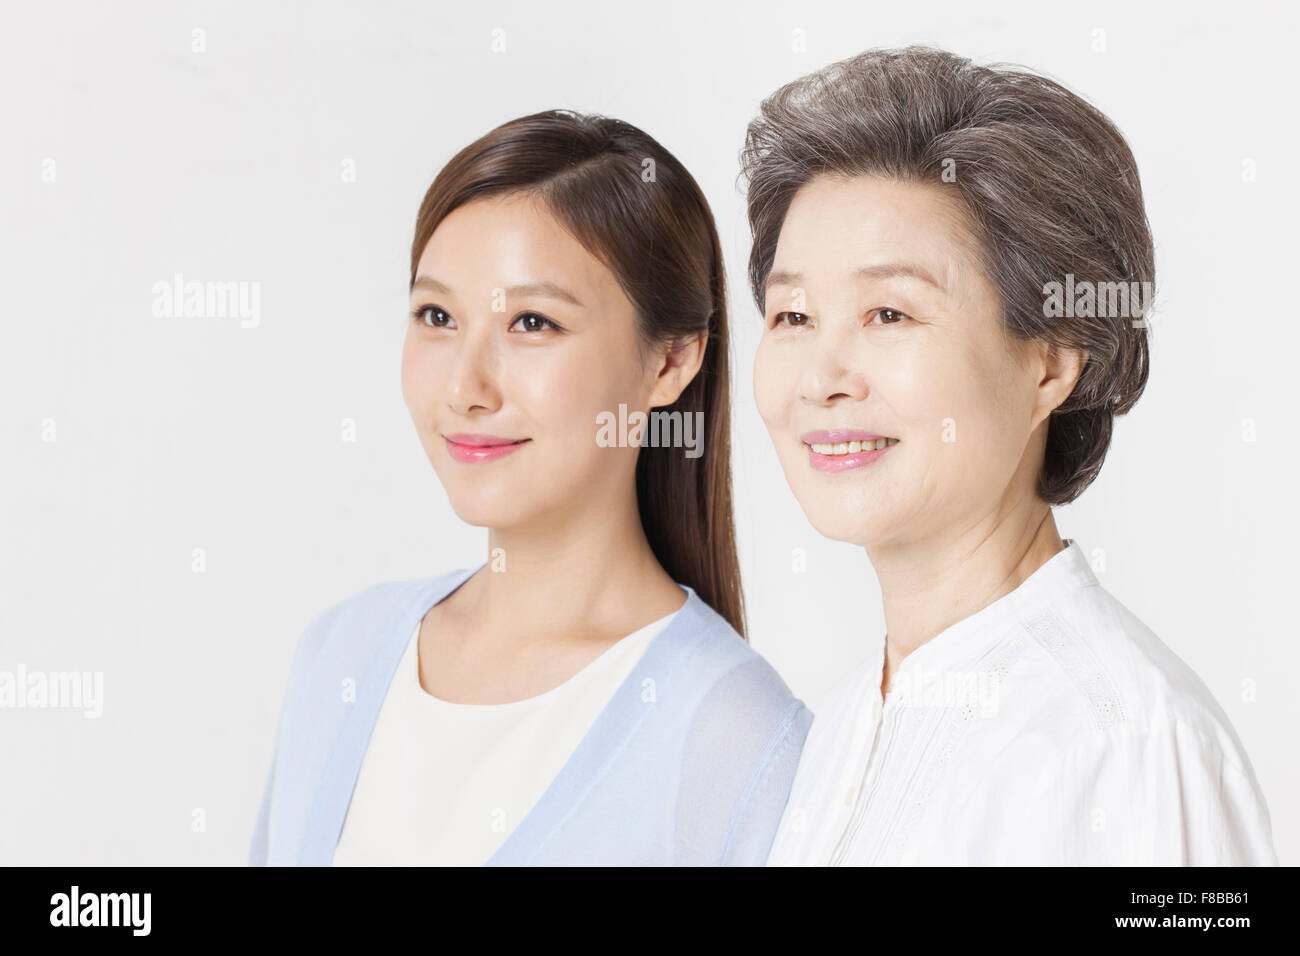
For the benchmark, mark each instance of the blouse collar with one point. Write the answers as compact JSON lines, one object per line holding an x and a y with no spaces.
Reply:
{"x":964,"y":642}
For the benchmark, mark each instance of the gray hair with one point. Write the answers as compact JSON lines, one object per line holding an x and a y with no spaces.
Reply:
{"x":1050,"y":187}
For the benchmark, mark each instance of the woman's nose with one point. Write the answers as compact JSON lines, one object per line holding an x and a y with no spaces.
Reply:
{"x":472,"y":382}
{"x":830,"y":374}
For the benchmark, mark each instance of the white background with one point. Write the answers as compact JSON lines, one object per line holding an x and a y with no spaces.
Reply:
{"x":225,"y":165}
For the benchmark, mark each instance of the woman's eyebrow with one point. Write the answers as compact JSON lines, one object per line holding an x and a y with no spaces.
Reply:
{"x":885,"y":270}
{"x":547,"y":289}
{"x":540,"y":288}
{"x":896,"y":270}
{"x":431,"y":284}
{"x":784,"y":277}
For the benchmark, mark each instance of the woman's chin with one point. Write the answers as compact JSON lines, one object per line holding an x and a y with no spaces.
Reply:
{"x":487,"y":513}
{"x":849,"y":527}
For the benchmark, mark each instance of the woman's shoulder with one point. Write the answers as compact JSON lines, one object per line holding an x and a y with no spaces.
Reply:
{"x":727,"y":703}
{"x":1124,"y":683}
{"x":1099,"y":708}
{"x":718,"y":661}
{"x":350,"y":629}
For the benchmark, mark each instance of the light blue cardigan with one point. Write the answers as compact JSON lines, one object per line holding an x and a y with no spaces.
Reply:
{"x":690,"y":763}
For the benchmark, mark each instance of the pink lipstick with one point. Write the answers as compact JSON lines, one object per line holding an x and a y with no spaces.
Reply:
{"x":841,"y":449}
{"x":473,"y":449}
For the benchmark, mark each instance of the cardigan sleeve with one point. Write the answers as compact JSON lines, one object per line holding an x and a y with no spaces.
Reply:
{"x":305,"y":650}
{"x":754,"y":824}
{"x":741,"y":754}
{"x":257,"y":849}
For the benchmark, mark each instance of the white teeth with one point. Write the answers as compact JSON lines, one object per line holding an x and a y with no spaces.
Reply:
{"x":851,"y":447}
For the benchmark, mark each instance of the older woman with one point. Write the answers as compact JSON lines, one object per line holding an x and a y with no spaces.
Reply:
{"x":939,"y":251}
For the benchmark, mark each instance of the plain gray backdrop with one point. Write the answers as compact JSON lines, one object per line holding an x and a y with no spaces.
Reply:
{"x":181,"y":495}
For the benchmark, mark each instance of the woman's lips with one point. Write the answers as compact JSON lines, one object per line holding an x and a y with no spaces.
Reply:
{"x":843,"y":440}
{"x":473,"y":449}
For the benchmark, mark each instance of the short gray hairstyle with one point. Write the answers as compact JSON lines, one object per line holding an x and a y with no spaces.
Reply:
{"x":1049,"y":185}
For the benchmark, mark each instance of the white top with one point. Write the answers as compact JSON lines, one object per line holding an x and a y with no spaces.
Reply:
{"x":445,"y":784}
{"x":1050,"y":727}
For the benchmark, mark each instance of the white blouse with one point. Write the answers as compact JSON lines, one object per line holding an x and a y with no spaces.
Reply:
{"x":1050,"y":727}
{"x":444,"y":784}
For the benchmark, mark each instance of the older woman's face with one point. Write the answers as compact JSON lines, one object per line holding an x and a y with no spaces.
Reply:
{"x":879,"y":321}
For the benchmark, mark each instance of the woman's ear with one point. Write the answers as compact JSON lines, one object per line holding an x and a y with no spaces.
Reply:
{"x":1062,"y":367}
{"x":678,"y":363}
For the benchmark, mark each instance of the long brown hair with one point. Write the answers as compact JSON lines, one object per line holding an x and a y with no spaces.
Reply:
{"x":634,"y":207}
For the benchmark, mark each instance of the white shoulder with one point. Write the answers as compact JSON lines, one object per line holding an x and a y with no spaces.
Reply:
{"x":1123,"y":730}
{"x":1126,"y":681}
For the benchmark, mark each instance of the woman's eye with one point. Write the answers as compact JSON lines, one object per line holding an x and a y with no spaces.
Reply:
{"x":434,"y":317}
{"x":795,"y":319}
{"x":532,"y":322}
{"x":890,"y":316}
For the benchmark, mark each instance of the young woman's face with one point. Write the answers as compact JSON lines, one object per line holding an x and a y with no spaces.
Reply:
{"x":518,"y":339}
{"x":879,"y":321}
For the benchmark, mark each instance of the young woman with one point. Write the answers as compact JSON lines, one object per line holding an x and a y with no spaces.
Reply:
{"x":584,"y":696}
{"x":916,"y":218}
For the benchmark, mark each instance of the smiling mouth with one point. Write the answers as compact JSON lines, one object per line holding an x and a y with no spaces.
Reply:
{"x":836,"y":449}
{"x":843,"y":455}
{"x":473,"y":449}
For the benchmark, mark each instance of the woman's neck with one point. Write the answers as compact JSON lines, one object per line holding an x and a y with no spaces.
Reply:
{"x":589,"y":573}
{"x":930,"y":585}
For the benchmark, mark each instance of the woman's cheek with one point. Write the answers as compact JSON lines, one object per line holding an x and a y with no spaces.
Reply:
{"x":410,"y":380}
{"x":772,"y":383}
{"x":543,"y":390}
